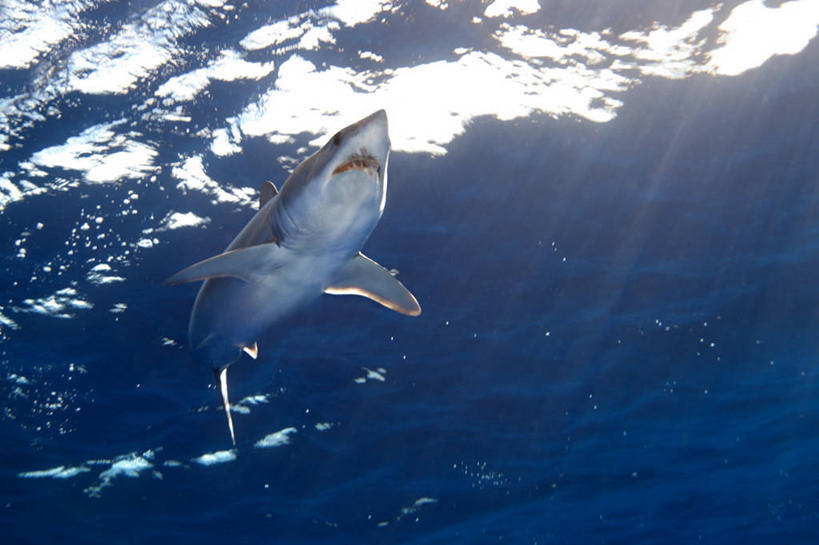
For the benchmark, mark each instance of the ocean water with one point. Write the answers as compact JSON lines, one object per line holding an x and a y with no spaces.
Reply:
{"x":609,"y":214}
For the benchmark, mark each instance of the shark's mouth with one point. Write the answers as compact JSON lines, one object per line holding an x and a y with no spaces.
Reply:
{"x":370,"y":165}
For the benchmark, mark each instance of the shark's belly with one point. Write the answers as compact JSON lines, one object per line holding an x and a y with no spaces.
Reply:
{"x":231,"y":312}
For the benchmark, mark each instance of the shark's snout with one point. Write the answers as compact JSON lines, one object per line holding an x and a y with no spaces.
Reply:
{"x":378,"y":118}
{"x":375,"y":128}
{"x":362,"y":147}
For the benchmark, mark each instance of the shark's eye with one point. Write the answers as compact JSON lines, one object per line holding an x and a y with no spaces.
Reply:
{"x":337,"y":139}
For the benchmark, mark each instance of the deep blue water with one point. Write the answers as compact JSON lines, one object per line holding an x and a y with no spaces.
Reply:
{"x":617,"y":342}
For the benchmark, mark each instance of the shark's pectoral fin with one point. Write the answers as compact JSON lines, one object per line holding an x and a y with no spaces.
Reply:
{"x":267,"y":192}
{"x":251,"y":350}
{"x":363,"y":276}
{"x":244,"y":264}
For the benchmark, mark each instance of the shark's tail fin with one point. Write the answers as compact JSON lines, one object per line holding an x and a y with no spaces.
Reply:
{"x":226,"y":402}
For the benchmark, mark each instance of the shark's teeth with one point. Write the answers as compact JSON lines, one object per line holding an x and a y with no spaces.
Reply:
{"x":359,"y":163}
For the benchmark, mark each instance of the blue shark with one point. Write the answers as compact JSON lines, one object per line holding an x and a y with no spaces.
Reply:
{"x":304,"y":240}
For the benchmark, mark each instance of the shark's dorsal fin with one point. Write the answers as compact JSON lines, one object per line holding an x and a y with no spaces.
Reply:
{"x":244,"y":264}
{"x":267,"y":192}
{"x":363,"y":276}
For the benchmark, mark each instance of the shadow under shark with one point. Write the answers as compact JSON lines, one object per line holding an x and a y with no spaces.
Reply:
{"x":305,"y":240}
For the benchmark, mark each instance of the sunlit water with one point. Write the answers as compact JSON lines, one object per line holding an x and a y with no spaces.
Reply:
{"x":608,"y":212}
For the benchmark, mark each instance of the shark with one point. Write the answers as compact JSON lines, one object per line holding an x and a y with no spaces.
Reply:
{"x":305,"y":240}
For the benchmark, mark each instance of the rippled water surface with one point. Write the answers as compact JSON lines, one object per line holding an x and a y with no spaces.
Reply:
{"x":609,"y":213}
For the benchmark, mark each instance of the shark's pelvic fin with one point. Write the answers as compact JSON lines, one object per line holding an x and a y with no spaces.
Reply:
{"x":363,"y":276}
{"x":226,"y":402}
{"x":267,"y":192}
{"x":241,"y":264}
{"x":251,"y":350}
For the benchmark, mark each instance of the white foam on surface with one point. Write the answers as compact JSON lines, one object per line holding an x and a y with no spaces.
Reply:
{"x":585,"y":84}
{"x":243,"y":406}
{"x":412,"y":509}
{"x":355,"y":12}
{"x":7,"y":322}
{"x":192,"y":177}
{"x":274,"y":34}
{"x":18,"y":379}
{"x":147,"y":242}
{"x":59,"y":472}
{"x":138,"y":49}
{"x":222,"y":145}
{"x":371,"y":56}
{"x":668,"y":52}
{"x":132,"y":466}
{"x":217,"y":457}
{"x":561,"y":46}
{"x":370,"y":374}
{"x":179,"y":220}
{"x":506,"y":8}
{"x":275,"y":439}
{"x":755,"y":32}
{"x":61,"y":304}
{"x":129,"y":465}
{"x":11,"y":192}
{"x":101,"y":273}
{"x":376,"y":375}
{"x":229,"y":66}
{"x":440,"y":4}
{"x":135,"y":464}
{"x":429,"y":104}
{"x":101,"y":153}
{"x":28,"y":30}
{"x":447,"y":109}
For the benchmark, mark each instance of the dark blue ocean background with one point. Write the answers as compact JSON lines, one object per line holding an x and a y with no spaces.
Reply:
{"x":618,"y":341}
